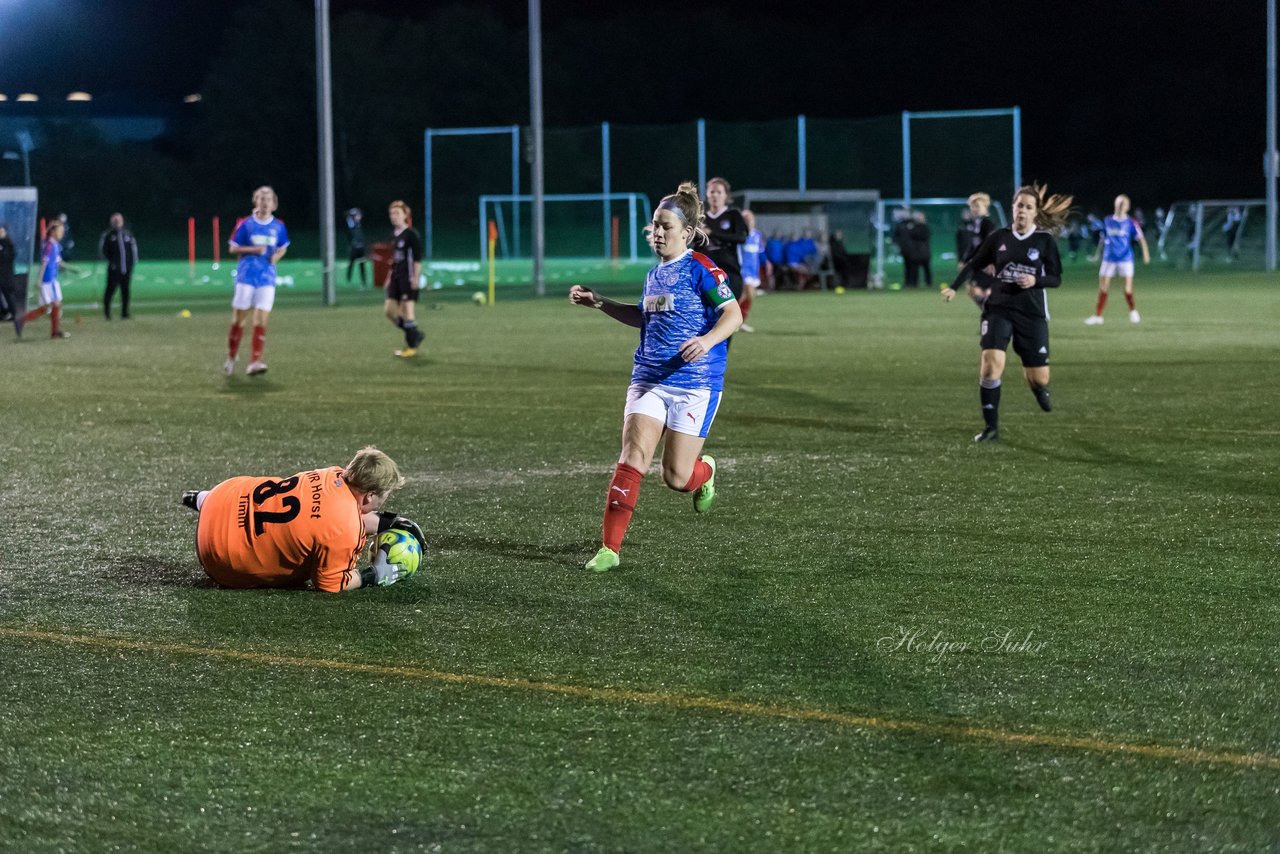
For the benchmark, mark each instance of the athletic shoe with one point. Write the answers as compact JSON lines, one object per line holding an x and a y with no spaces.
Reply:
{"x":58,"y":335}
{"x":746,"y":327}
{"x":407,"y":353}
{"x":229,"y":366}
{"x":704,"y":496}
{"x":1134,"y":317}
{"x":605,"y":560}
{"x":1093,"y":320}
{"x":255,"y":368}
{"x":988,"y":434}
{"x":189,"y":498}
{"x":1042,"y":398}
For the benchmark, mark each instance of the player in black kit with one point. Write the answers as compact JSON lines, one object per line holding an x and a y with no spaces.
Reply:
{"x":400,"y":290}
{"x":726,"y":231}
{"x":1026,"y":262}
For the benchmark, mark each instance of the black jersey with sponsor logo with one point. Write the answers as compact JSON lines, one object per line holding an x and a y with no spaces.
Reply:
{"x":406,"y":251}
{"x":1011,"y":255}
{"x":725,"y":233}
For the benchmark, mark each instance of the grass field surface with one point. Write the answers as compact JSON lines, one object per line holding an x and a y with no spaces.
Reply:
{"x":882,"y":638}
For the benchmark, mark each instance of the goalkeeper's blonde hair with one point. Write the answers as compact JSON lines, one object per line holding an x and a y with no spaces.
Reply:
{"x":373,"y":472}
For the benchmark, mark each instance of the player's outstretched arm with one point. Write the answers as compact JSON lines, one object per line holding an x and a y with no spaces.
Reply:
{"x":627,"y":313}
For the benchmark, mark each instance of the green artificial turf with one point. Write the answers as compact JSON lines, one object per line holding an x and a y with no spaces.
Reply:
{"x":741,"y":682}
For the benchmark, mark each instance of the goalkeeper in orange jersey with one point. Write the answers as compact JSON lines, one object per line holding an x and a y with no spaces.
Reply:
{"x":311,"y":527}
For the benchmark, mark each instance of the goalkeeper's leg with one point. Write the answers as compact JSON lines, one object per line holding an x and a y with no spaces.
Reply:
{"x":194,"y":498}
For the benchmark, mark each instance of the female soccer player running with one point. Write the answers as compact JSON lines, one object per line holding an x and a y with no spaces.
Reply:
{"x":1025,"y":258}
{"x":687,"y":313}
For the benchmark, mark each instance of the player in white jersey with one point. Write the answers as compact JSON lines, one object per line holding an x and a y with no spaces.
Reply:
{"x":687,"y":314}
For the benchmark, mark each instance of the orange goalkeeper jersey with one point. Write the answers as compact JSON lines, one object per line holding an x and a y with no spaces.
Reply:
{"x":264,"y":532}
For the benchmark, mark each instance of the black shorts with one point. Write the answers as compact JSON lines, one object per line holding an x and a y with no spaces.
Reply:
{"x":1030,"y":335}
{"x":401,"y":291}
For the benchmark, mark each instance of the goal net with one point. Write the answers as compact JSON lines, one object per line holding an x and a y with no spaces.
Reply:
{"x":18,"y":215}
{"x":1213,"y":233}
{"x":578,"y":225}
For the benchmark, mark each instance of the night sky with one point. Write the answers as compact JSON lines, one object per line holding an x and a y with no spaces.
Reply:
{"x":1116,"y":89}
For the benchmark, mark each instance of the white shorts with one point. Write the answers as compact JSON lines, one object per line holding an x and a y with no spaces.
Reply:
{"x":1116,"y":268}
{"x":247,"y":297}
{"x":684,"y":410}
{"x":50,"y":292}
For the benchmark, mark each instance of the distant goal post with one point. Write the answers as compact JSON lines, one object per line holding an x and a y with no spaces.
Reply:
{"x":603,"y":225}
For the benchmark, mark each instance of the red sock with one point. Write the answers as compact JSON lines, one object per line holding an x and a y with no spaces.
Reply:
{"x":746,"y":309}
{"x":1102,"y":302}
{"x":620,"y":503}
{"x":233,"y":340}
{"x":55,"y":316}
{"x":1128,"y":297}
{"x":259,"y":341}
{"x":701,"y":474}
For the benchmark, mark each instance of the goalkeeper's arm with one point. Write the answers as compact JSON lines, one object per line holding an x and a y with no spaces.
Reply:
{"x":387,"y":521}
{"x":380,"y":573}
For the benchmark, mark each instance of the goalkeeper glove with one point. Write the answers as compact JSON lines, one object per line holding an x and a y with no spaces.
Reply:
{"x":381,"y":573}
{"x":387,"y":521}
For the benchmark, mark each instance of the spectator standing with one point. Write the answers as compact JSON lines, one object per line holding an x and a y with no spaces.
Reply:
{"x":357,"y":253}
{"x":841,"y":264}
{"x":120,"y":249}
{"x":9,"y":308}
{"x":912,"y":237}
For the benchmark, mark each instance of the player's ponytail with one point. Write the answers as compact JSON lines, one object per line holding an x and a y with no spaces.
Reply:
{"x":689,"y":204}
{"x":1051,"y":211}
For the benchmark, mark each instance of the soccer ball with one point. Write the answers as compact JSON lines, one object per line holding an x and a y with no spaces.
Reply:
{"x":401,"y":547}
{"x":479,"y":298}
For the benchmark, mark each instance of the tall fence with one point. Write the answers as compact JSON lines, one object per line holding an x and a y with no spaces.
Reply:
{"x":908,"y":155}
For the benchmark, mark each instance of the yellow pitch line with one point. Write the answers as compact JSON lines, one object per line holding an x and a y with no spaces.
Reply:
{"x":680,"y":701}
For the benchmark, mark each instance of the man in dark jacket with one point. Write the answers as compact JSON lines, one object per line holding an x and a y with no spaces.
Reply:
{"x":120,"y":249}
{"x":9,"y":307}
{"x":912,"y":236}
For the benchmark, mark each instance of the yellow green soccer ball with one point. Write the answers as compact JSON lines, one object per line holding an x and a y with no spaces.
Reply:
{"x":402,"y":548}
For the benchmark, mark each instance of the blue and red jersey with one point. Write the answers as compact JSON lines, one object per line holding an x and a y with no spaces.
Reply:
{"x":51,"y":255}
{"x":682,"y":299}
{"x":257,"y":270}
{"x":1118,"y":236}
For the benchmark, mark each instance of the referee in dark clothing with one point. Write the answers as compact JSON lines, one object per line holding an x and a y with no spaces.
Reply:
{"x":120,"y":249}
